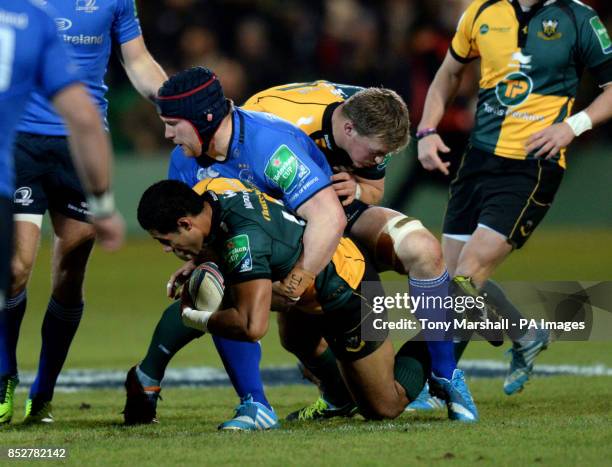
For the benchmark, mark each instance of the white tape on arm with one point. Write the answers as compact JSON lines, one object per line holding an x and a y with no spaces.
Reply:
{"x":101,"y":206}
{"x":357,"y":191}
{"x":197,"y":319}
{"x":580,"y":123}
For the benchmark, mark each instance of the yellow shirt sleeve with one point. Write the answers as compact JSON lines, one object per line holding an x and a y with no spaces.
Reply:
{"x":464,"y":47}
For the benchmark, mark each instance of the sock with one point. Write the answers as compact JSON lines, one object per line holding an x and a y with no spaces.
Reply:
{"x":496,"y":297}
{"x":439,"y":343}
{"x":145,"y":379}
{"x":170,"y":336}
{"x":325,"y":368}
{"x":241,"y":361}
{"x":58,"y":330}
{"x":412,"y":367}
{"x":10,"y":322}
{"x":460,"y":348}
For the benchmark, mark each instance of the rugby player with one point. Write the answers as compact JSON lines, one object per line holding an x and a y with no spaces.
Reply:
{"x":532,"y":54}
{"x":46,"y":180}
{"x":371,"y":123}
{"x":284,"y":162}
{"x":34,"y":57}
{"x":259,"y":242}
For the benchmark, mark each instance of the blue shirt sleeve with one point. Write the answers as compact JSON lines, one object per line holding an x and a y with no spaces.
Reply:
{"x":126,"y":25}
{"x":182,"y":168}
{"x":56,"y":70}
{"x":298,"y":169}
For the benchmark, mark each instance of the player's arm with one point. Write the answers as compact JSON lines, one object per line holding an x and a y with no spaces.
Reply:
{"x":144,"y":72}
{"x":247,"y":319}
{"x":439,"y":96}
{"x":549,"y":141}
{"x":325,"y":222}
{"x":92,"y":156}
{"x":351,"y":187}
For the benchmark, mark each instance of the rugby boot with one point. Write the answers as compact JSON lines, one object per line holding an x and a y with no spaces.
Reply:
{"x":141,"y":401}
{"x":251,"y":416}
{"x":522,"y":357}
{"x":7,"y":394}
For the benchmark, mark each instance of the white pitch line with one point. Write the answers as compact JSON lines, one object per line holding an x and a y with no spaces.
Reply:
{"x":72,"y":380}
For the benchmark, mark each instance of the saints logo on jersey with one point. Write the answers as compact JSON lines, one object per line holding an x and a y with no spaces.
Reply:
{"x":549,"y":30}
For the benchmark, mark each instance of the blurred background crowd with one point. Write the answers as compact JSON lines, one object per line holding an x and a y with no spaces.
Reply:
{"x":254,"y":44}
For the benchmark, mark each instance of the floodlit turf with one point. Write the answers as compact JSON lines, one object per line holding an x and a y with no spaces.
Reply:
{"x":125,"y":295}
{"x":556,"y":421}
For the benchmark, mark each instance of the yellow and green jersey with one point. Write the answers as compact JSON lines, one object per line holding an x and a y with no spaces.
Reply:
{"x":531,"y":63}
{"x":310,"y":106}
{"x":257,"y":238}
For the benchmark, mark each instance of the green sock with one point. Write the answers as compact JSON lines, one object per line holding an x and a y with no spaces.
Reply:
{"x":326,"y":369}
{"x":170,"y":336}
{"x":412,"y":367}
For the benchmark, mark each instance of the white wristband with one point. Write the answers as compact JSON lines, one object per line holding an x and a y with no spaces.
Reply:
{"x":357,"y":191}
{"x":580,"y":123}
{"x":197,"y":319}
{"x":102,"y":205}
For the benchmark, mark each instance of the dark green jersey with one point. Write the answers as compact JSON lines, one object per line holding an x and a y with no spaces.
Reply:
{"x":258,"y":238}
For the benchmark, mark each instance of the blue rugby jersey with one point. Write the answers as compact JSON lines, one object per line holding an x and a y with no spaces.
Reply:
{"x":265,"y":151}
{"x":31,"y":55}
{"x":88,"y":28}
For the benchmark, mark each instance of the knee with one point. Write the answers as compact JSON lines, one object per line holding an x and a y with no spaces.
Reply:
{"x":20,"y":274}
{"x":379,"y":410}
{"x":423,"y":255}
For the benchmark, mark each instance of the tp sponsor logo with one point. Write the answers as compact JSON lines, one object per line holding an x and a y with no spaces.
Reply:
{"x":514,"y":89}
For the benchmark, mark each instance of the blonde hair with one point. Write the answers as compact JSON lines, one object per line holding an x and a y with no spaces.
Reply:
{"x":382,"y":113}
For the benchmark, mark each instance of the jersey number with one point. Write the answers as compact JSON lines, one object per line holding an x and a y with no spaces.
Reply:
{"x":7,"y":54}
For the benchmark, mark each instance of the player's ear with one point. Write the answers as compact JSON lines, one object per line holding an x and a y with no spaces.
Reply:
{"x":349,"y":129}
{"x":185,"y":223}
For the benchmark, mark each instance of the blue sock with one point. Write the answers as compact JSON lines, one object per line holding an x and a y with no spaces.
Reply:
{"x":58,"y":330}
{"x":10,"y":322}
{"x":439,"y":343}
{"x":241,"y":361}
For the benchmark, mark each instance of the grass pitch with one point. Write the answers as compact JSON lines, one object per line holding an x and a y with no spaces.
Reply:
{"x":555,"y":421}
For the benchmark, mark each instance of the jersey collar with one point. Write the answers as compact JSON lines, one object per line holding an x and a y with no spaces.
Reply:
{"x":338,"y":157}
{"x":328,"y":133}
{"x":212,"y":199}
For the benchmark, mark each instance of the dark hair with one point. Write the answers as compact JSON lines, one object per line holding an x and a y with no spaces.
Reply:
{"x":164,"y":203}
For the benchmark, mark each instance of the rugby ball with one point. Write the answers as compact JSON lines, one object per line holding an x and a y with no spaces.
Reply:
{"x":206,"y":287}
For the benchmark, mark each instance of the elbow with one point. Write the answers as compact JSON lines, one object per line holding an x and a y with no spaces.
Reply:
{"x":84,"y":120}
{"x":339,"y":220}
